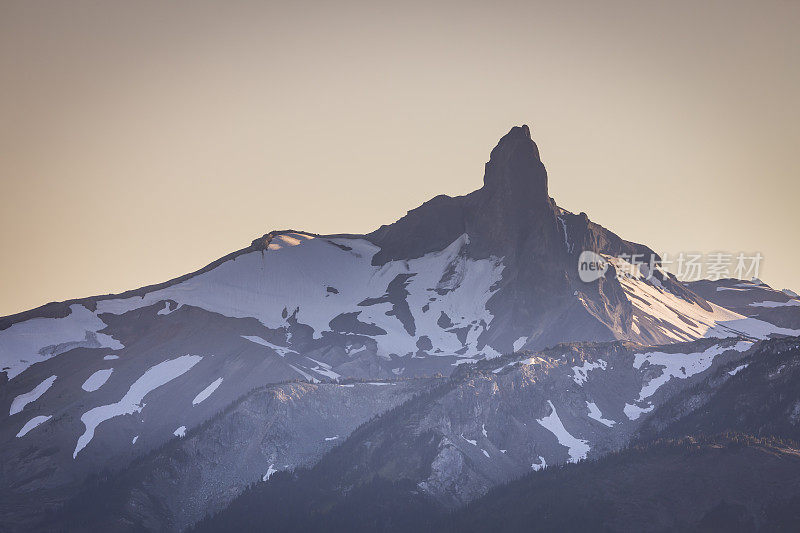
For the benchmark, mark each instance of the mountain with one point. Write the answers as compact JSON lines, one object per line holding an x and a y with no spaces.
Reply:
{"x":485,"y":425}
{"x":757,"y":394}
{"x":674,"y":477}
{"x":108,"y":383}
{"x":753,"y":299}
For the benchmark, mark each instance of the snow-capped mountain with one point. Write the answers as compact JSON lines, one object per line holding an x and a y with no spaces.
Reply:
{"x":754,"y":299}
{"x":92,"y":384}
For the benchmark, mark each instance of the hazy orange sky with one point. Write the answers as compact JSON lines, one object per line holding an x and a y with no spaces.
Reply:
{"x":141,"y":140}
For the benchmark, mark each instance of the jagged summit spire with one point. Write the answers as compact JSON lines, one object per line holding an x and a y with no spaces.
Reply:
{"x":514,"y":166}
{"x":511,"y":215}
{"x":518,"y":136}
{"x":519,"y":131}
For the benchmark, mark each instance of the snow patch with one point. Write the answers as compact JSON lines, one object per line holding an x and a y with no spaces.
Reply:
{"x":287,"y":239}
{"x":578,"y":448}
{"x":633,"y":412}
{"x":519,"y":343}
{"x":205,"y":393}
{"x":749,"y":327}
{"x":282,"y":350}
{"x":473,"y":442}
{"x":97,"y":380}
{"x":581,"y":373}
{"x":790,"y":303}
{"x":738,"y":369}
{"x":594,"y":412}
{"x":180,"y":432}
{"x":324,"y":369}
{"x":542,"y":464}
{"x":33,"y":423}
{"x":271,"y":470}
{"x":680,"y":365}
{"x":24,"y":399}
{"x":309,"y":377}
{"x":567,"y":244}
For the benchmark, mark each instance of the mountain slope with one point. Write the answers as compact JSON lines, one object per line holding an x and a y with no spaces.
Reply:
{"x":449,"y":444}
{"x":723,"y":483}
{"x":729,"y":483}
{"x":496,"y":419}
{"x":271,"y":429}
{"x":757,"y":394}
{"x":736,"y":482}
{"x":752,"y":298}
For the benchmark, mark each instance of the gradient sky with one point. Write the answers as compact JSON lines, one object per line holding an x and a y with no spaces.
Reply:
{"x":141,"y":140}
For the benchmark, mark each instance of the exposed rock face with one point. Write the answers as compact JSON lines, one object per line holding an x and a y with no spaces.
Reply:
{"x":496,"y":419}
{"x":271,"y":429}
{"x":499,"y":418}
{"x":756,"y":395}
{"x":509,"y":214}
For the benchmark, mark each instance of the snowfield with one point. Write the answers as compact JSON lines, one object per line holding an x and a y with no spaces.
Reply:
{"x":439,"y":300}
{"x":292,"y":277}
{"x":39,"y":339}
{"x":680,"y":365}
{"x":682,"y":320}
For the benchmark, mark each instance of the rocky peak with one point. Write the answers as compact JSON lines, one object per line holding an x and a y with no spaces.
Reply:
{"x":515,"y":169}
{"x":511,"y":214}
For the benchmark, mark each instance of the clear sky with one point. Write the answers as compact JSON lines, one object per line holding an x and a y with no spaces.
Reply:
{"x":141,"y":140}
